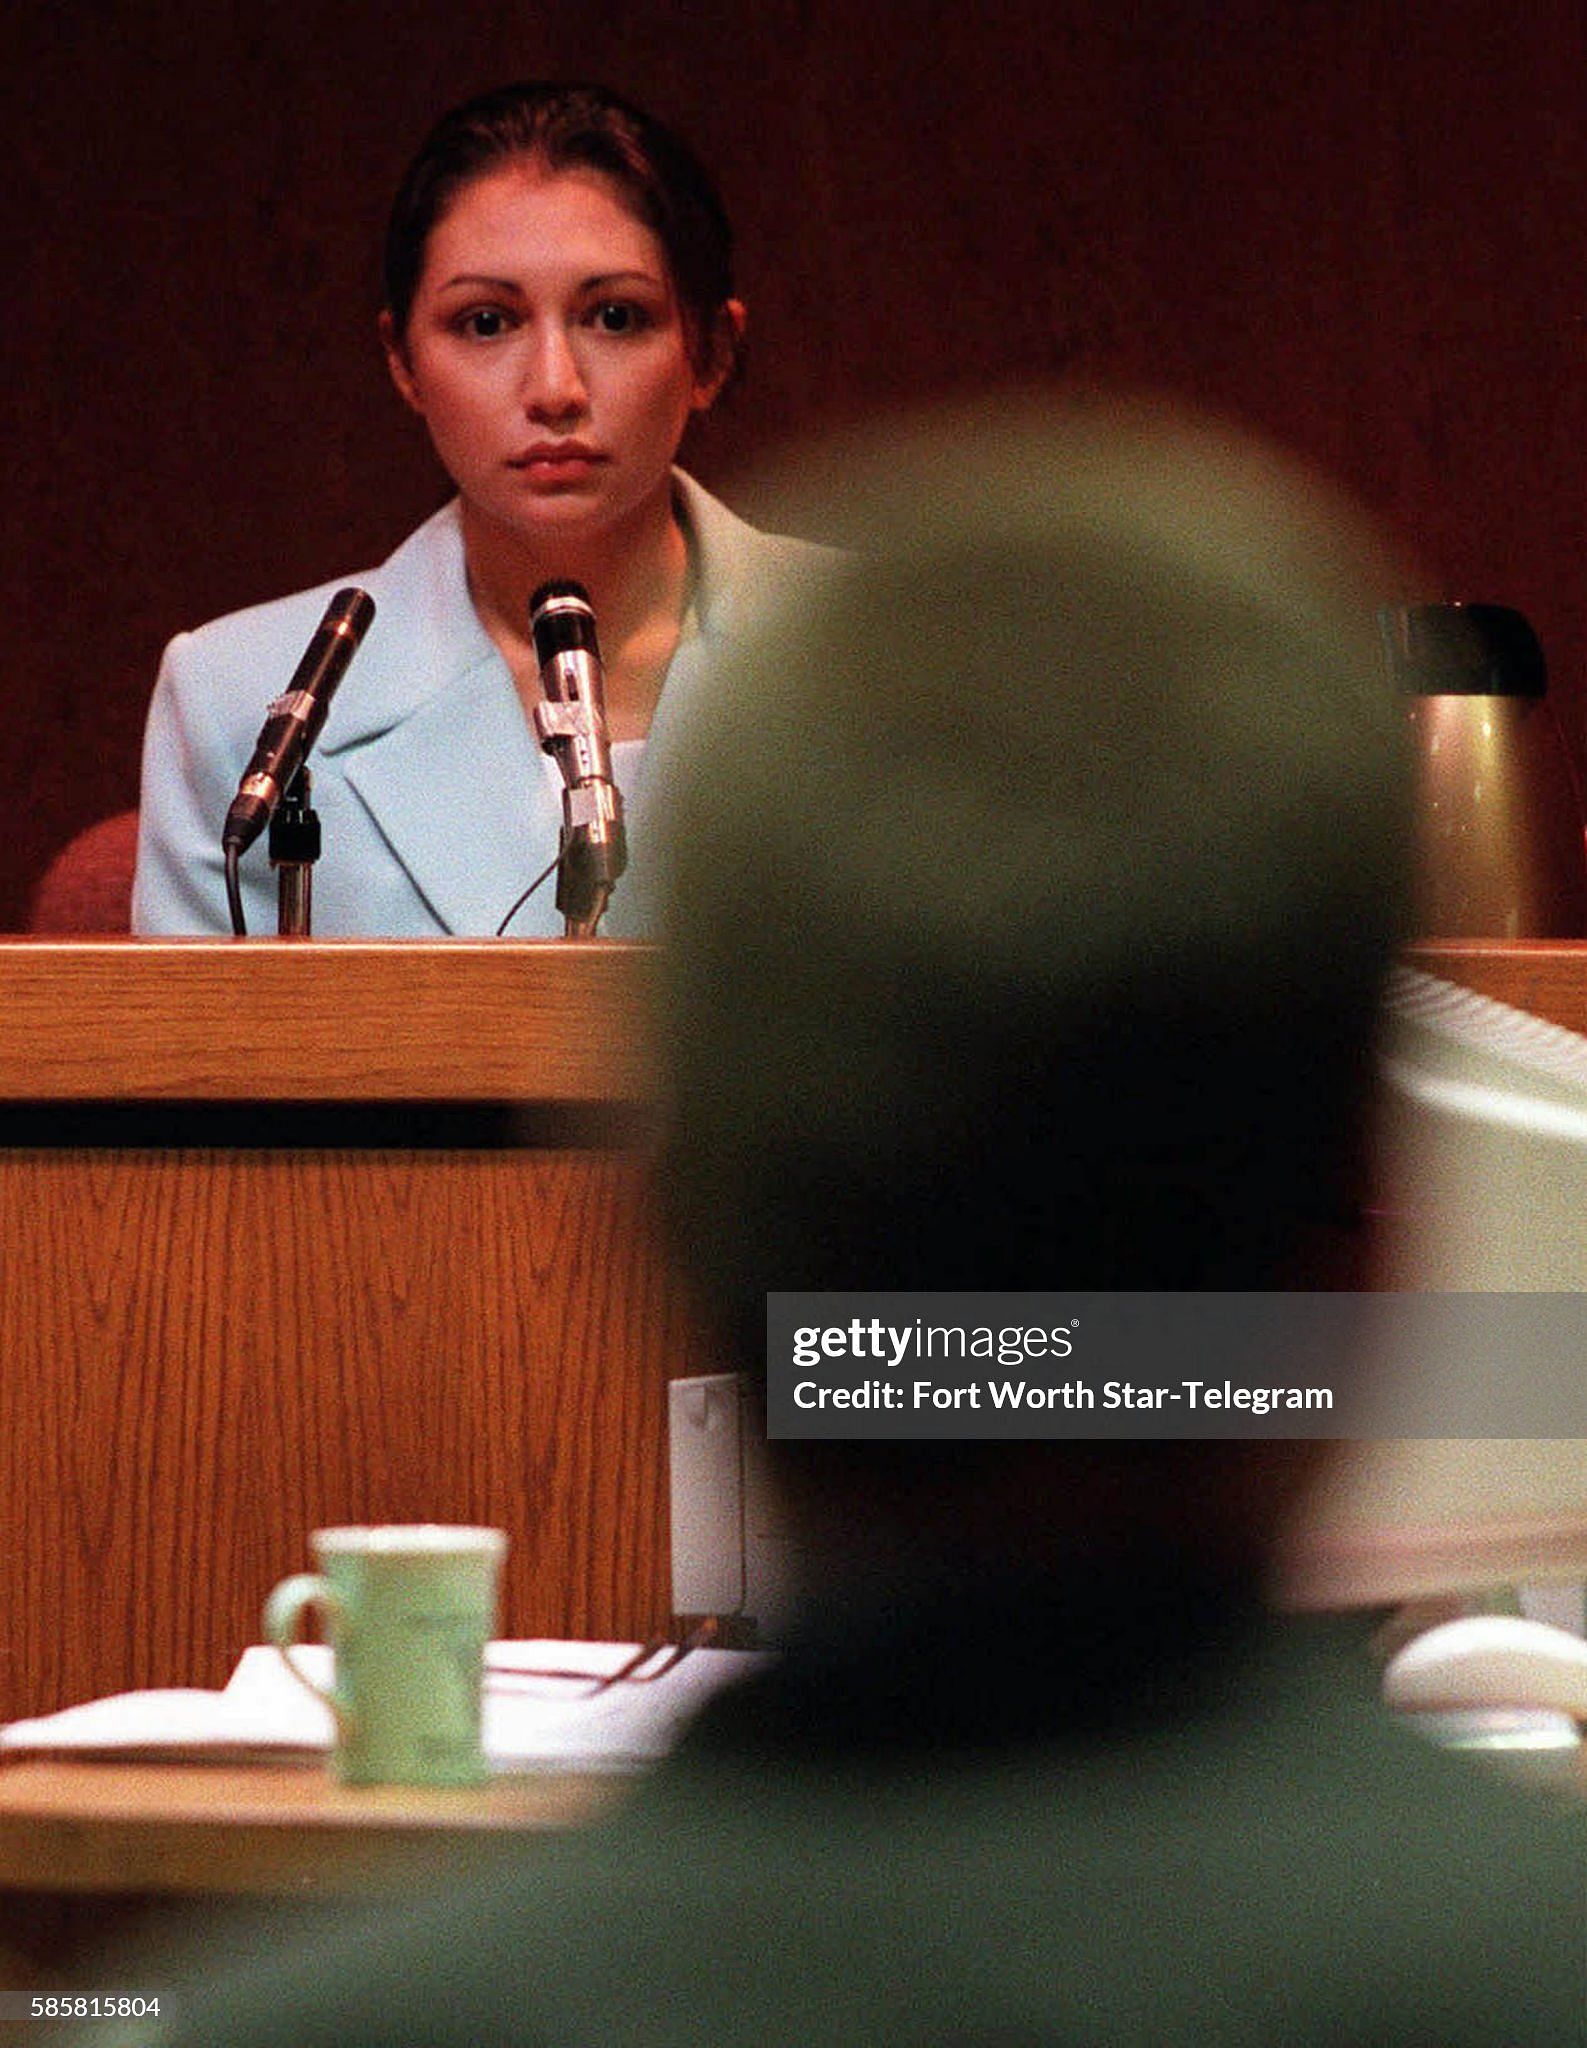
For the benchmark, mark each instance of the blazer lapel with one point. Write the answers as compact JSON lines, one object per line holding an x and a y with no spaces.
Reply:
{"x":433,"y":742}
{"x":469,"y":837}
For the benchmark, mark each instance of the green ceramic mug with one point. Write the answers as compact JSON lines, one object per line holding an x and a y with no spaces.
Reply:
{"x":408,"y":1610}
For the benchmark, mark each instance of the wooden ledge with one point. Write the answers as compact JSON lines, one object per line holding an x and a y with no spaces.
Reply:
{"x":1546,"y":976}
{"x":335,"y":1020}
{"x":75,"y":1826}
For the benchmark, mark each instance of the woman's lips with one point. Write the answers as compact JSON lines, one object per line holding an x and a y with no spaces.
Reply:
{"x":552,"y":462}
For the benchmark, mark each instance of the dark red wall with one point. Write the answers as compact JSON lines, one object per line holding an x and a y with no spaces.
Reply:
{"x":1360,"y":227}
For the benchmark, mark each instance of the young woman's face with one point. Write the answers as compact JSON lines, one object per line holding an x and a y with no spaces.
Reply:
{"x":547,"y":355}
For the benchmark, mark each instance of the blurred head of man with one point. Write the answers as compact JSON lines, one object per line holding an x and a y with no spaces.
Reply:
{"x":1034,"y":875}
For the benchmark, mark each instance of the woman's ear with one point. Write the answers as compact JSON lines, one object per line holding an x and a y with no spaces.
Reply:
{"x":397,"y":362}
{"x":726,"y":347}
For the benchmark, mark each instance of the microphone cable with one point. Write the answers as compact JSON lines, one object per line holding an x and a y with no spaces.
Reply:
{"x":544,"y":876}
{"x":239,"y":924}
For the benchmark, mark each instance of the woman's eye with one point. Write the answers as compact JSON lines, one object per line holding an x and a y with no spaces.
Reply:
{"x":617,"y":316}
{"x":483,"y":323}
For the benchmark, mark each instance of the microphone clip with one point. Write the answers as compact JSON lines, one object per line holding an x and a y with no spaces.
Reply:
{"x":294,"y":848}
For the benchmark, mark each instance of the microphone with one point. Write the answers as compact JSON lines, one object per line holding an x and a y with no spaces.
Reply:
{"x":571,"y":725}
{"x":292,"y":723}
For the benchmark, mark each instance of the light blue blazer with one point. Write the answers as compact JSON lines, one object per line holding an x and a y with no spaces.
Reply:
{"x":437,"y":805}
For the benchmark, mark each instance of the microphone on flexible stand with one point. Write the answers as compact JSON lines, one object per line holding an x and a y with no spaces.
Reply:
{"x":292,"y":725}
{"x":571,"y":725}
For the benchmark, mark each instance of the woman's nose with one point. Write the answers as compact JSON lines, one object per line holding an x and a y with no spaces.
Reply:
{"x":553,"y":382}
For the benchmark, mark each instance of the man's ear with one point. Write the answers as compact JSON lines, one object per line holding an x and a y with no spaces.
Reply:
{"x":727,"y":344}
{"x":397,"y":362}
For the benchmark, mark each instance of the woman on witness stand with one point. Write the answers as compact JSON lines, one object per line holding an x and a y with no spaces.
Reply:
{"x":558,"y":306}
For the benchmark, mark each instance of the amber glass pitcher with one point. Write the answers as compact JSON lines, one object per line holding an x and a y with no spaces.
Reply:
{"x":1502,"y":839}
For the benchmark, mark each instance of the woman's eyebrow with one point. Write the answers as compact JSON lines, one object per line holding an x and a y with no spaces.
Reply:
{"x":475,"y":280}
{"x":601,"y":280}
{"x":611,"y":277}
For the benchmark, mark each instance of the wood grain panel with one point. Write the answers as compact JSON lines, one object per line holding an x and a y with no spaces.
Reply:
{"x":452,"y":1020}
{"x":207,"y":1354}
{"x":208,"y":1347}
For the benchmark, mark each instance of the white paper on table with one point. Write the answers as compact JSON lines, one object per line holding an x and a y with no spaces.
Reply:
{"x":531,"y":1722}
{"x":176,"y":1725}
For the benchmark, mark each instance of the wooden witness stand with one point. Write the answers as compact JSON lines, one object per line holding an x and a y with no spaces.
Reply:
{"x":294,"y":1235}
{"x":302,"y":1235}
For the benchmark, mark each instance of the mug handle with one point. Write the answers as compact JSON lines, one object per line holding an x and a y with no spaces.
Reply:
{"x":283,"y":1611}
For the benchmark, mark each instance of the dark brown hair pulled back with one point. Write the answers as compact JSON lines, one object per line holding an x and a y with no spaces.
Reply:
{"x":568,"y":127}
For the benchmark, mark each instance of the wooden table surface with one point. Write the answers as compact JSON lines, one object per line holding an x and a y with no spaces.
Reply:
{"x":70,"y":1825}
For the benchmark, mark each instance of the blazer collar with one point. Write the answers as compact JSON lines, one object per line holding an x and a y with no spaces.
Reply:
{"x":425,"y":636}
